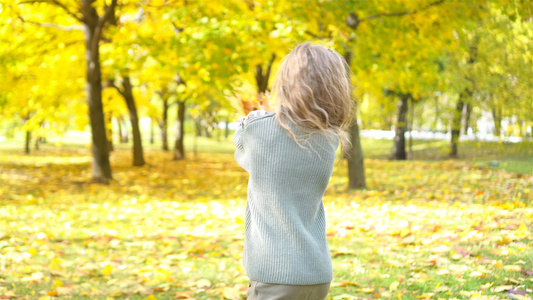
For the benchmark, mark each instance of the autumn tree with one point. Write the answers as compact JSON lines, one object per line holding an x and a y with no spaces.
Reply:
{"x":93,"y":19}
{"x":94,"y":24}
{"x":36,"y":81}
{"x":404,"y":46}
{"x":123,"y":61}
{"x":364,"y":35}
{"x":264,"y":33}
{"x":272,"y":30}
{"x":491,"y":70}
{"x":197,"y":48}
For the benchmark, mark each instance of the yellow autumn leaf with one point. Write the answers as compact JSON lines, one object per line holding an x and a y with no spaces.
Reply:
{"x":394,"y":286}
{"x":498,"y":264}
{"x":203,"y":283}
{"x":487,"y":285}
{"x":63,"y":291}
{"x":365,"y":290}
{"x":512,"y":268}
{"x":107,"y":270}
{"x":502,"y":288}
{"x":231,"y":293}
{"x":345,"y":297}
{"x":522,"y":232}
{"x":477,"y":274}
{"x":161,"y":275}
{"x":58,"y":283}
{"x":425,"y":296}
{"x":441,"y":288}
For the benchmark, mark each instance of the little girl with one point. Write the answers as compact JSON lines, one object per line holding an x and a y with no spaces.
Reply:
{"x":289,"y":155}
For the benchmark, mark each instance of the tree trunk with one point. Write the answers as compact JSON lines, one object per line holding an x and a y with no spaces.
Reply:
{"x":164,"y":125}
{"x":198,"y":126}
{"x":109,"y":128}
{"x":28,"y":141}
{"x":120,"y":133}
{"x":101,"y":167}
{"x":398,"y":147}
{"x":41,"y":139}
{"x":151,"y":131}
{"x":456,"y":127}
{"x":355,"y":159}
{"x":410,"y":128}
{"x":261,"y":77}
{"x":436,"y":120}
{"x":207,"y":129}
{"x":226,"y":129}
{"x":497,"y":118}
{"x":356,"y":168}
{"x":37,"y":142}
{"x":179,"y":150}
{"x":195,"y":145}
{"x":125,"y":132}
{"x":138,"y":156}
{"x":468,"y":118}
{"x":465,"y":119}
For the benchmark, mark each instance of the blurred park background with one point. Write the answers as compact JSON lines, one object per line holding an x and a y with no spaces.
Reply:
{"x":117,"y":178}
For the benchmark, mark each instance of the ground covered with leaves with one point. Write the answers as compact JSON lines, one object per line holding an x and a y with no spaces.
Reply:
{"x":174,"y":229}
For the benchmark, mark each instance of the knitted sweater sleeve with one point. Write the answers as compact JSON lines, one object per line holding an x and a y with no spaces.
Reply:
{"x":239,"y":147}
{"x":239,"y":133}
{"x":237,"y":139}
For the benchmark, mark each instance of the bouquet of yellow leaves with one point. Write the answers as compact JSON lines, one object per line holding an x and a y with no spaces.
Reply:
{"x":245,"y":103}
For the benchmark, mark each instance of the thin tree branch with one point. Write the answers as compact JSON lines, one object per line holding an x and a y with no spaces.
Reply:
{"x":33,"y":1}
{"x":269,"y":67}
{"x":316,"y":36}
{"x":75,"y":16}
{"x":45,"y":50}
{"x":109,"y":11}
{"x":56,"y":26}
{"x":56,"y":3}
{"x":179,"y":80}
{"x":106,"y":17}
{"x":404,"y":13}
{"x":108,"y":14}
{"x":353,"y":20}
{"x":166,"y":4}
{"x":177,"y":29}
{"x":111,"y":84}
{"x":250,"y":4}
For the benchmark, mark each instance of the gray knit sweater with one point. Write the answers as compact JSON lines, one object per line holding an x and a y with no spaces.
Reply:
{"x":285,"y":224}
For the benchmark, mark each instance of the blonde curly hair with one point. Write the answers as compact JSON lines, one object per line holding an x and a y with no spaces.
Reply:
{"x":313,"y":91}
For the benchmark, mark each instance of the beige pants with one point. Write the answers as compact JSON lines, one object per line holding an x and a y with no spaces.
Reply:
{"x":266,"y":291}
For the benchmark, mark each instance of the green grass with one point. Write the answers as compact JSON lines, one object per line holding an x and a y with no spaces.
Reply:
{"x":443,"y":229}
{"x":518,"y":164}
{"x":428,"y":228}
{"x":511,"y":157}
